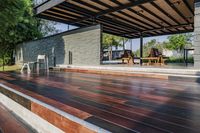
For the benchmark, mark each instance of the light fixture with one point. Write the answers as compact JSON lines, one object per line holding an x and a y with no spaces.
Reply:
{"x":140,"y":11}
{"x":176,"y":3}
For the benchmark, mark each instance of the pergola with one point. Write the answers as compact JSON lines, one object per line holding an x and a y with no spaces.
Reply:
{"x":127,"y":18}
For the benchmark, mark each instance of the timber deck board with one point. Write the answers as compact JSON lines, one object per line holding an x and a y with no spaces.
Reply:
{"x":117,"y":103}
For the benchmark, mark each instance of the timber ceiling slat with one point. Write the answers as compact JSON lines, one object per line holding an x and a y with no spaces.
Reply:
{"x":67,"y":11}
{"x":173,"y":6}
{"x":119,"y":3}
{"x":139,"y":18}
{"x":64,"y":14}
{"x":175,"y":22}
{"x":168,"y":8}
{"x":127,"y":18}
{"x":121,"y":15}
{"x":74,"y":2}
{"x":55,"y":18}
{"x":155,"y":15}
{"x":67,"y":7}
{"x":164,"y":12}
{"x":133,"y":18}
{"x":79,"y":10}
{"x":114,"y":26}
{"x":145,"y":18}
{"x":186,"y":2}
{"x":109,"y":3}
{"x":69,"y":19}
{"x":133,"y":11}
{"x":118,"y":18}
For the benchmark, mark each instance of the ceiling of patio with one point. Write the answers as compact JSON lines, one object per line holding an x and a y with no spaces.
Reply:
{"x":128,"y":18}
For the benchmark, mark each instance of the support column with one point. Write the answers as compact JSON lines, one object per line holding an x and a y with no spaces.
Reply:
{"x":197,"y":35}
{"x":68,"y":27}
{"x":141,"y":48}
{"x":123,"y":44}
{"x":131,"y":43}
{"x":101,"y":45}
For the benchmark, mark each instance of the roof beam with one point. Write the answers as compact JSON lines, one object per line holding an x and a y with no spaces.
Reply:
{"x":121,"y":19}
{"x":47,"y":5}
{"x":166,"y":28}
{"x":127,"y":15}
{"x":166,"y":33}
{"x":152,"y":13}
{"x":141,"y":15}
{"x":102,"y":18}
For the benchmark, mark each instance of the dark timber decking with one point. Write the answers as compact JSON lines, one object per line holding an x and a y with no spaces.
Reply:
{"x":117,"y":103}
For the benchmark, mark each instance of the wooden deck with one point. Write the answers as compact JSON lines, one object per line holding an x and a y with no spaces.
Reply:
{"x":117,"y":103}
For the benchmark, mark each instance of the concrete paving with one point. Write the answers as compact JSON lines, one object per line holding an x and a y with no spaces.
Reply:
{"x":9,"y":123}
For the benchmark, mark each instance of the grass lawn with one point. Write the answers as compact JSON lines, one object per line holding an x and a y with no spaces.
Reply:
{"x":9,"y":68}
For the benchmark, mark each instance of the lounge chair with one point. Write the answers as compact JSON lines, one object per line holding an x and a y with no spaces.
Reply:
{"x":155,"y":57}
{"x":127,"y":57}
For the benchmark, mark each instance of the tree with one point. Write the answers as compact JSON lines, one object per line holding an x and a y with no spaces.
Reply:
{"x":147,"y":47}
{"x":179,"y":42}
{"x":19,"y":25}
{"x":110,"y":41}
{"x":11,"y":12}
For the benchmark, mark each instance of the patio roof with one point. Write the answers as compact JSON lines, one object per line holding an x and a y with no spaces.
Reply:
{"x":128,"y":18}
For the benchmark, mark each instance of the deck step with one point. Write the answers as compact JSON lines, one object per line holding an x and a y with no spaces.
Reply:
{"x":187,"y":75}
{"x":10,"y":123}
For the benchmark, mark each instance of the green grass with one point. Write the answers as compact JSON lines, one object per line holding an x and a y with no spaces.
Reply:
{"x":10,"y":68}
{"x":179,"y":60}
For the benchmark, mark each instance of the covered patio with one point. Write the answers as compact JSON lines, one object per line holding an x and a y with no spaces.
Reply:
{"x":101,"y":98}
{"x":126,"y":18}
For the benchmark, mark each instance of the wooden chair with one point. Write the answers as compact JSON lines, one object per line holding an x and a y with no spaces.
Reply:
{"x":128,"y":57}
{"x":155,"y":57}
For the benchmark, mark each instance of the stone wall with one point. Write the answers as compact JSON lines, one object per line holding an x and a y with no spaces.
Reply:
{"x":197,"y":35}
{"x":84,"y":45}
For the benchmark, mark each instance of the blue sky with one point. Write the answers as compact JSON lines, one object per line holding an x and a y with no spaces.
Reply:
{"x":135,"y":42}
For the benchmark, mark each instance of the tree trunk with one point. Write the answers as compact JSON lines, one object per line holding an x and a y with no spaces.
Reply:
{"x":3,"y":62}
{"x":110,"y":55}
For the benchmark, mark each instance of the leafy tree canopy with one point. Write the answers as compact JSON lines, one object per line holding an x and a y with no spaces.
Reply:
{"x":174,"y":42}
{"x":18,"y":24}
{"x":112,"y":40}
{"x":11,"y":12}
{"x":179,"y":42}
{"x":147,"y":47}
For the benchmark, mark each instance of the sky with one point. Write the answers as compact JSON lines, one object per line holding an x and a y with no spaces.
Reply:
{"x":135,"y":42}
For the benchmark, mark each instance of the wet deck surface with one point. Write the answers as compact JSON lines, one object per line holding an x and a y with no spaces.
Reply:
{"x":118,"y":104}
{"x":10,"y":124}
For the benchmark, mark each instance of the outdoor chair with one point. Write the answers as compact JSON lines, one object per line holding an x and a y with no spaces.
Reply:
{"x":26,"y":65}
{"x":155,"y":57}
{"x":42,"y":59}
{"x":128,"y":56}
